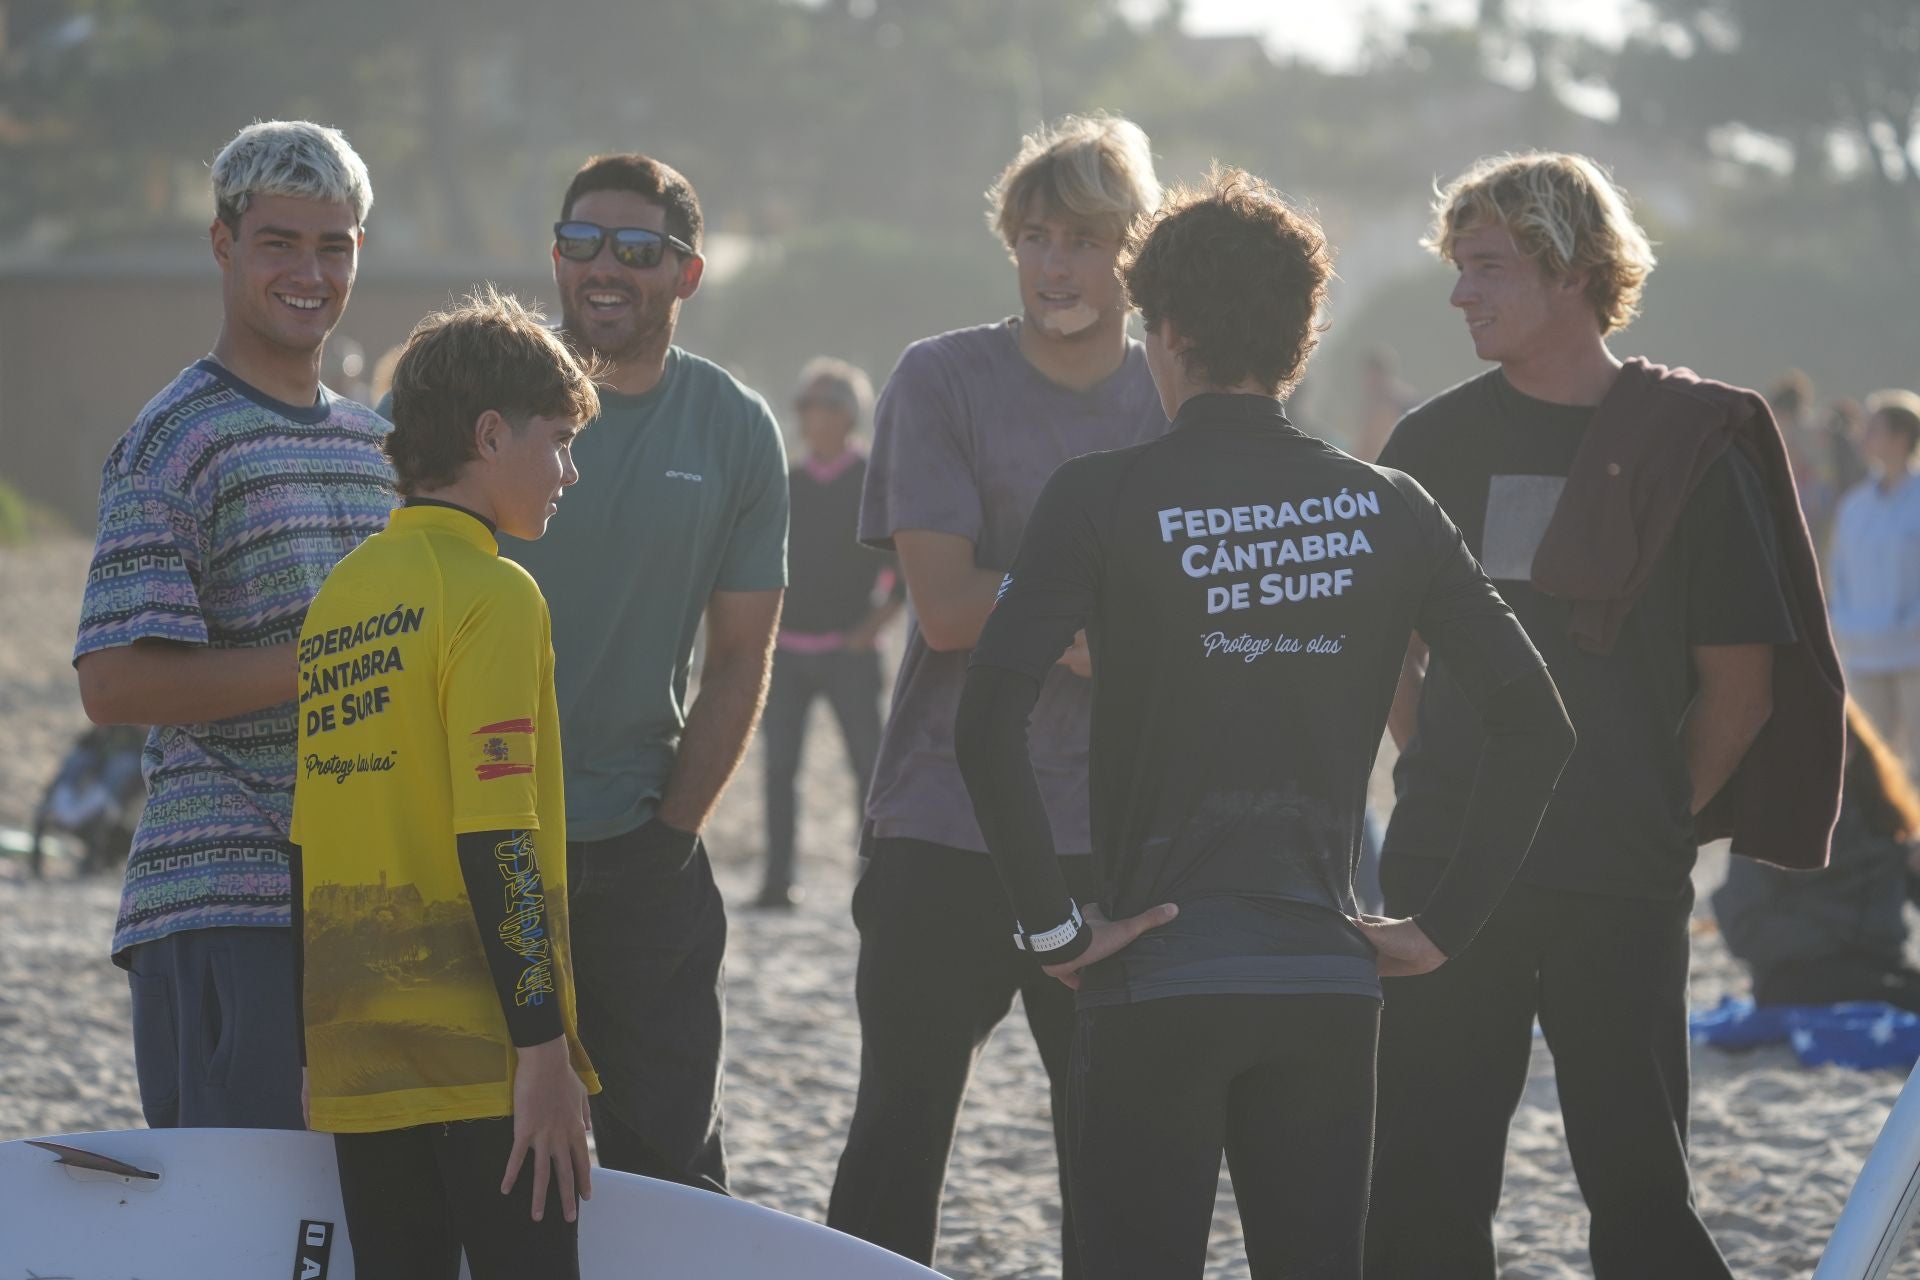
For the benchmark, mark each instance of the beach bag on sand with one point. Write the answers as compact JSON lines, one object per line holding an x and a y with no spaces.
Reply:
{"x":1864,"y":1036}
{"x":96,"y":797}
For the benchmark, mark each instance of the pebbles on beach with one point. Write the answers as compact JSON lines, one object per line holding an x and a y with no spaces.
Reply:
{"x":1775,"y":1146}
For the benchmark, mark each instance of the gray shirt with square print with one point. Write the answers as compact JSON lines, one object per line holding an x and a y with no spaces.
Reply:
{"x":966,"y":434}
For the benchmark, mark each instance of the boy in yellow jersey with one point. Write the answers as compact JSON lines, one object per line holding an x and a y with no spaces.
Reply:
{"x":430,"y":890}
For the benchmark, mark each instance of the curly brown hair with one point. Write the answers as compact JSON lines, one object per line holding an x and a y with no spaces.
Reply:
{"x":1241,"y":274}
{"x":492,"y":352}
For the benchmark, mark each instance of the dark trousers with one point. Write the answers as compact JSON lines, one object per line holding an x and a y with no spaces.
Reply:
{"x":649,"y":933}
{"x":1607,"y":978}
{"x":214,"y":1040}
{"x":1282,"y":1084}
{"x":937,"y":972}
{"x":415,"y":1198}
{"x":850,"y":682}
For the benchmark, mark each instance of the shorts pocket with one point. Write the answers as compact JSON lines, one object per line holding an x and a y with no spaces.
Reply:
{"x":219,"y":1016}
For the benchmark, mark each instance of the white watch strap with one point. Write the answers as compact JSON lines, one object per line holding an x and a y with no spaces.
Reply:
{"x":1054,"y":938}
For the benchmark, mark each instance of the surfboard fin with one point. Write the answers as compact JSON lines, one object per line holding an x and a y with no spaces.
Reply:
{"x":91,"y":1160}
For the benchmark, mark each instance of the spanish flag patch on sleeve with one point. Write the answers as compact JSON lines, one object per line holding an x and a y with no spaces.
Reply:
{"x":502,"y":750}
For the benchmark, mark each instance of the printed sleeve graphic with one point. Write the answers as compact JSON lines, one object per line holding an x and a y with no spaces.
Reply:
{"x":502,"y":750}
{"x":523,"y":924}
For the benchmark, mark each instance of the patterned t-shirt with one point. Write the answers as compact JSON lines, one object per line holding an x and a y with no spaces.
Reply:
{"x":426,"y":713}
{"x":221,"y":512}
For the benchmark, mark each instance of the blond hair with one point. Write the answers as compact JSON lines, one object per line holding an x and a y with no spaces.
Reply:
{"x":1565,"y":213}
{"x":1096,"y":167}
{"x":289,"y":158}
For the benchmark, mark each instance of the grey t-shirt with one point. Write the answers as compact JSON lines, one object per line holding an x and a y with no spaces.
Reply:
{"x":966,"y":434}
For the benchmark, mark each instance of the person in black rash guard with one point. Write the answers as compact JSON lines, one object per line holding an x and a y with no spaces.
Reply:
{"x":1247,"y":593}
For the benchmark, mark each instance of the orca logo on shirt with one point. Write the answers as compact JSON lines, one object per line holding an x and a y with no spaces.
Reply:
{"x":313,"y":1255}
{"x":685,"y":475}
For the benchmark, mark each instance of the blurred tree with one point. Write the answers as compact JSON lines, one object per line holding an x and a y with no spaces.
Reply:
{"x":1827,"y":91}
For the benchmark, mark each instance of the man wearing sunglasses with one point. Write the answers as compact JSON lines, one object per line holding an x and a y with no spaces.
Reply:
{"x":680,"y":513}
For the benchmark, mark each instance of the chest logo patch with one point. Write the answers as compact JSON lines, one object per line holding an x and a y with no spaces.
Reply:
{"x":1519,"y":508}
{"x":694,"y":476}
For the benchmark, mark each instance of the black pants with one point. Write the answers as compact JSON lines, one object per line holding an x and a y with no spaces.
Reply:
{"x":938,"y":971}
{"x":415,"y":1198}
{"x":649,"y":934}
{"x":1282,"y":1084}
{"x":850,"y":682}
{"x":1607,"y":978}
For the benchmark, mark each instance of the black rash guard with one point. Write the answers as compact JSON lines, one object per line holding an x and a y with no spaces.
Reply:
{"x":1248,"y":593}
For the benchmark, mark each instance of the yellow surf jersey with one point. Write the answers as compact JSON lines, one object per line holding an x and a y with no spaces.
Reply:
{"x":426,"y":710}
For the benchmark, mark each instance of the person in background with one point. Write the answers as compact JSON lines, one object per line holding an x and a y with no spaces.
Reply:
{"x":1842,"y":432}
{"x":840,"y":596}
{"x":221,"y":512}
{"x":1831,"y":936}
{"x":1874,"y":574}
{"x":970,"y":426}
{"x":1384,"y":400}
{"x":1809,"y":451}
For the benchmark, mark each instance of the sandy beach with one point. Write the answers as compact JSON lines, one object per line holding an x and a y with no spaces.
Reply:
{"x":1775,"y":1146}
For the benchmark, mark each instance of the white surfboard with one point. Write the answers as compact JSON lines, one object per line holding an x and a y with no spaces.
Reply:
{"x":261,"y":1204}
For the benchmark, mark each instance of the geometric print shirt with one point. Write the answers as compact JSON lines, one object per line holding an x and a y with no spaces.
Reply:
{"x":221,"y":512}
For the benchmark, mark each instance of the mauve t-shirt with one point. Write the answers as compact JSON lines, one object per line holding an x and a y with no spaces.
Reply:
{"x":965,"y":435}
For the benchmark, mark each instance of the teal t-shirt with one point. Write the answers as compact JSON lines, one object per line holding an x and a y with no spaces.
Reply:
{"x":682,"y":492}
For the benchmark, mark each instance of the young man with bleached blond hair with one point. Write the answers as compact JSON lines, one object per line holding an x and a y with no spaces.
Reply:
{"x":965,"y":434}
{"x":1641,"y":522}
{"x":221,"y":512}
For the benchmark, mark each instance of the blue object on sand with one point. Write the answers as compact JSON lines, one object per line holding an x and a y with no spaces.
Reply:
{"x":1864,"y":1036}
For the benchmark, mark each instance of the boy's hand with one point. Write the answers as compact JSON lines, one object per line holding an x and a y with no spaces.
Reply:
{"x":549,"y":1119}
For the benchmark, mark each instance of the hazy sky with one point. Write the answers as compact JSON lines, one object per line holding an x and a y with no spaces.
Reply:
{"x":1331,"y":31}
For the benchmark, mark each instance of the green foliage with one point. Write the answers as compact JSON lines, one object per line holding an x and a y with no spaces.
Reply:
{"x":22,"y":520}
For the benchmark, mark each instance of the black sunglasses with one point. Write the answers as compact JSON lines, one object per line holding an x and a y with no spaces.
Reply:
{"x":635,"y":247}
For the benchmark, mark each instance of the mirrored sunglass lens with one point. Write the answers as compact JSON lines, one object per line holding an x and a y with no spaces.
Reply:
{"x":637,"y":248}
{"x":577,"y":240}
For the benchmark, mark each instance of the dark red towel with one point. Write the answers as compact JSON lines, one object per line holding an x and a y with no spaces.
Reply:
{"x":1652,"y":438}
